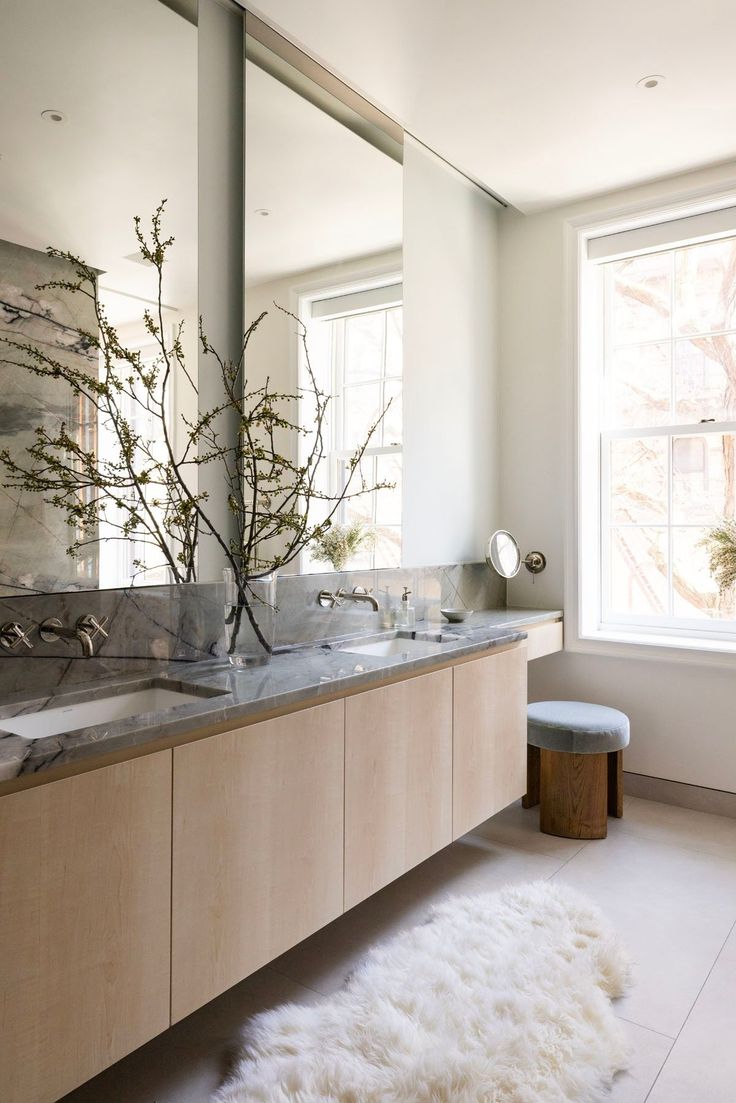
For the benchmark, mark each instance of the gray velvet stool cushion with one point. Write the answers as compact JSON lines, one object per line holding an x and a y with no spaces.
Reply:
{"x":576,"y":727}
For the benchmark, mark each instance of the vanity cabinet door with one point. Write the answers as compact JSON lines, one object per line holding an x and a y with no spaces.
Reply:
{"x":258,"y":848}
{"x":398,"y":780}
{"x":489,"y":751}
{"x":84,"y":925}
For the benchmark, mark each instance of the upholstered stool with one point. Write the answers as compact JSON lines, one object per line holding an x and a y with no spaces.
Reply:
{"x":575,"y":766}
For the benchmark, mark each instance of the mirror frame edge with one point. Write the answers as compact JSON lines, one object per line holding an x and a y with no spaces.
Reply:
{"x":271,"y":50}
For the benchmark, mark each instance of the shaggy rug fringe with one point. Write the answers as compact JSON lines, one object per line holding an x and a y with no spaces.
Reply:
{"x":500,"y":998}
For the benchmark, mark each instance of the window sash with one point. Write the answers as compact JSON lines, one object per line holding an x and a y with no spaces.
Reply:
{"x":335,"y":309}
{"x":586,"y":579}
{"x":607,"y":617}
{"x":684,"y":429}
{"x":598,"y":298}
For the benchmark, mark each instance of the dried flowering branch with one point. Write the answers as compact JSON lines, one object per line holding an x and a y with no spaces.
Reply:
{"x":146,"y":490}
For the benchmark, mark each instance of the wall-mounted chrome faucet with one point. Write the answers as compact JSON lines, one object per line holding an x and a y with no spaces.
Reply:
{"x":85,"y":631}
{"x":327,"y":598}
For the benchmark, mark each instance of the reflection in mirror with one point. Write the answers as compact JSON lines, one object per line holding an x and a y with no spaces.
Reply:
{"x":503,"y":554}
{"x":323,"y":232}
{"x":99,"y":123}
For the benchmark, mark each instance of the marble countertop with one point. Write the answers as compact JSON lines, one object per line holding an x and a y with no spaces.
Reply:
{"x":300,"y":676}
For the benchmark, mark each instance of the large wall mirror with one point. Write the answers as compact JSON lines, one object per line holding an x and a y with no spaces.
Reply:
{"x":99,"y":124}
{"x":323,"y":241}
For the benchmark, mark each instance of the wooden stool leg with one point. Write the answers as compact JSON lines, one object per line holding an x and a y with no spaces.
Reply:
{"x":616,"y":784}
{"x":531,"y":797}
{"x":574,"y":795}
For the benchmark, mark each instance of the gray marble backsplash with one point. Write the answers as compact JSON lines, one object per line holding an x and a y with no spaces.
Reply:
{"x":156,"y":624}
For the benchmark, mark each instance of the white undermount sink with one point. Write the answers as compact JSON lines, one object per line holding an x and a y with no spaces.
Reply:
{"x":397,"y":645}
{"x":102,"y":710}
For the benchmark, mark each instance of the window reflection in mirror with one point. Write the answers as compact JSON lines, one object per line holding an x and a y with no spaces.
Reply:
{"x":120,"y":83}
{"x":323,"y":234}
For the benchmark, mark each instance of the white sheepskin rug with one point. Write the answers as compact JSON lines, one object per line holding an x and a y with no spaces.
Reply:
{"x":500,"y":998}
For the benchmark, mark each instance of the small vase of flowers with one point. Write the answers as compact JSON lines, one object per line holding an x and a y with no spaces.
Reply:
{"x":339,"y":543}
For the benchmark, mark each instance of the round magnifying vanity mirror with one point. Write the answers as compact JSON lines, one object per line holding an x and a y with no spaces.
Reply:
{"x":503,"y":554}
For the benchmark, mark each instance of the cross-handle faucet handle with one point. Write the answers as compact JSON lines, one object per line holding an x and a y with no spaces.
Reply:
{"x":92,"y":626}
{"x":362,"y":590}
{"x":12,"y":634}
{"x":326,"y":597}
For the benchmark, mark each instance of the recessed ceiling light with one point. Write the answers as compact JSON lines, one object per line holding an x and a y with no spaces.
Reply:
{"x":262,"y":211}
{"x":652,"y":81}
{"x":51,"y":115}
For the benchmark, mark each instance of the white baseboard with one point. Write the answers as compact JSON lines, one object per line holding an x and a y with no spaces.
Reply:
{"x":716,"y":801}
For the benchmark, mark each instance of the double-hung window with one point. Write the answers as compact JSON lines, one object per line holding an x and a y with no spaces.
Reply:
{"x":355,"y":342}
{"x":658,"y":424}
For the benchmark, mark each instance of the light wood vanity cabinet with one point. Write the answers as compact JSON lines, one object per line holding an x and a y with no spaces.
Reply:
{"x":111,"y":927}
{"x":398,"y":780}
{"x":543,"y":639}
{"x":85,"y":867}
{"x":489,"y":737}
{"x":258,"y":848}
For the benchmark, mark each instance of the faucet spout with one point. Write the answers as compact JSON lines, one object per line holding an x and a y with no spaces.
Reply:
{"x":361,"y":594}
{"x":85,"y":640}
{"x":325,"y":598}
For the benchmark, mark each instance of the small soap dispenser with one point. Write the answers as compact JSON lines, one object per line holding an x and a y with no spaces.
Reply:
{"x":408,"y":612}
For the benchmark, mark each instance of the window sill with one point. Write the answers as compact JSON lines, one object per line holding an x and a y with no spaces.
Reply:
{"x":618,"y":643}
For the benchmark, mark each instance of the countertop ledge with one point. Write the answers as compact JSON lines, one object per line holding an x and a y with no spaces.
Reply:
{"x":301,"y":676}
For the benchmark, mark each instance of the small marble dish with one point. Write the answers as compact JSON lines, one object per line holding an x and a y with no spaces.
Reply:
{"x":456,"y":616}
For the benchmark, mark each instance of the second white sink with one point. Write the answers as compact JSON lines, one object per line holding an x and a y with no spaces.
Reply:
{"x":398,"y":645}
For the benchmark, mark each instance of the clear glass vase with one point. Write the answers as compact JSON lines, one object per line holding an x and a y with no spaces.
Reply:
{"x":249,"y":619}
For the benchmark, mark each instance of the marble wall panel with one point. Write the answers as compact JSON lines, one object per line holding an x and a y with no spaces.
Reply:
{"x":156,"y":624}
{"x":34,"y":534}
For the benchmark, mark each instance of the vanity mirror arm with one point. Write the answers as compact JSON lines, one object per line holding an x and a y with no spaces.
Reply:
{"x":535,"y":562}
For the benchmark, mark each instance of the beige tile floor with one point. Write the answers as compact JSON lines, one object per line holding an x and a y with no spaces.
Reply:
{"x":665,"y":876}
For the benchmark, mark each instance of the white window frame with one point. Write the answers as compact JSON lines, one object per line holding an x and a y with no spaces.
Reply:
{"x":341,"y":290}
{"x":586,"y":629}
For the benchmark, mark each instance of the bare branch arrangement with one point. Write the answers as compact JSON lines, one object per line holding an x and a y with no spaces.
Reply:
{"x":146,"y":490}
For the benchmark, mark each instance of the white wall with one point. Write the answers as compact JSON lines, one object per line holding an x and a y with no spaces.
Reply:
{"x":683,"y":713}
{"x":451,"y":460}
{"x":451,"y":481}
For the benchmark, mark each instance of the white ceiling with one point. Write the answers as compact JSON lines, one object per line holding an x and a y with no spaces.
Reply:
{"x":125,"y":74}
{"x":330,"y":195}
{"x":538,"y":98}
